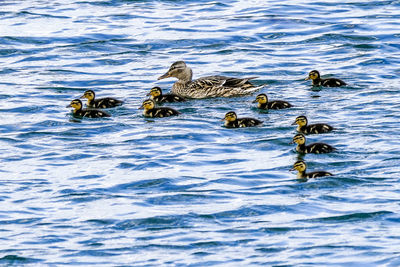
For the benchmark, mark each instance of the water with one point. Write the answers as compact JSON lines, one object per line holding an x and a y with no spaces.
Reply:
{"x":131,"y":191}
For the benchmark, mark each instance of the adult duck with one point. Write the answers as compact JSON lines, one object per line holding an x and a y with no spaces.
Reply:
{"x":205,"y":87}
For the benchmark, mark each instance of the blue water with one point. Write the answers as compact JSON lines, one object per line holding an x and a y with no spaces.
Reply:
{"x":131,"y":191}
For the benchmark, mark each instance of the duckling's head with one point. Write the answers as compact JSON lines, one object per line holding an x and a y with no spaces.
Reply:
{"x":300,"y":166}
{"x":76,"y":104}
{"x":230,"y":116}
{"x":147,"y":104}
{"x":155,"y":91}
{"x":261,"y":99}
{"x":314,"y":74}
{"x":299,"y":139}
{"x":89,"y":95}
{"x":301,"y":121}
{"x":178,"y":70}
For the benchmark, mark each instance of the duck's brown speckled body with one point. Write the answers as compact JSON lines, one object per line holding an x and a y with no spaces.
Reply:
{"x":301,"y":168}
{"x":151,"y":111}
{"x":80,"y":112}
{"x":304,"y":128}
{"x":316,"y":148}
{"x":329,"y":82}
{"x":205,"y":87}
{"x":232,"y":121}
{"x":106,"y":102}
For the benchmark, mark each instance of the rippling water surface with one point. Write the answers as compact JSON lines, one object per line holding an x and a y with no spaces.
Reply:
{"x":127,"y":190}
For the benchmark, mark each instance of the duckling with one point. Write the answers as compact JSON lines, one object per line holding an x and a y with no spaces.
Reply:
{"x":301,"y":167}
{"x":330,"y":82}
{"x":83,"y":112}
{"x":232,"y":121}
{"x":151,"y":111}
{"x":263,"y":103}
{"x":106,"y":102}
{"x":312,"y":128}
{"x":157,"y":95}
{"x":210,"y":86}
{"x":316,"y":148}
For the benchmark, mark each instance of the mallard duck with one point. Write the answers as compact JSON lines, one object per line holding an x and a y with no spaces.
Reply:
{"x":232,"y":121}
{"x":157,"y":95}
{"x":78,"y":111}
{"x":106,"y":102}
{"x":318,"y":128}
{"x":263,"y":103}
{"x":317,"y":148}
{"x":330,"y":82}
{"x":211,"y":86}
{"x":301,"y":167}
{"x":151,"y":111}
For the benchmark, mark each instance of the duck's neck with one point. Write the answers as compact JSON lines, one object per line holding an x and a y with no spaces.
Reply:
{"x":146,"y":111}
{"x":157,"y":98}
{"x":317,"y":82}
{"x":185,"y":76}
{"x":301,"y":148}
{"x":301,"y":174}
{"x":301,"y":128}
{"x":77,"y":110}
{"x":90,"y":102}
{"x":231,"y":124}
{"x":263,"y":105}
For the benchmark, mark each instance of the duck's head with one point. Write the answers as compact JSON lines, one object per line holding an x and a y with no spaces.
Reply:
{"x":314,"y":74}
{"x":301,"y":121}
{"x":261,"y":99}
{"x":76,"y":104}
{"x":88,"y":94}
{"x":178,"y":70}
{"x":300,"y":166}
{"x":155,"y":91}
{"x":147,"y":104}
{"x":299,"y":139}
{"x":230,"y":116}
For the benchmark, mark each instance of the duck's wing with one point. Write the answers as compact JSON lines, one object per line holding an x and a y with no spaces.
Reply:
{"x":237,"y":82}
{"x":221,"y":86}
{"x":333,"y":82}
{"x":107,"y":102}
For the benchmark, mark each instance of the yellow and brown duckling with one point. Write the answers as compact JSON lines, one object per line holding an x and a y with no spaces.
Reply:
{"x":317,"y":148}
{"x":330,"y":82}
{"x":301,"y":168}
{"x":232,"y":121}
{"x":317,"y":128}
{"x":157,"y":95}
{"x":263,"y":103}
{"x":78,"y":111}
{"x":151,"y":111}
{"x":205,"y":87}
{"x":106,"y":102}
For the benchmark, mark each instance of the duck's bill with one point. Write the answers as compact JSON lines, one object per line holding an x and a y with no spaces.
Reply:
{"x":141,"y":107}
{"x":166,"y":75}
{"x":292,"y":169}
{"x":68,"y":106}
{"x":254,"y":101}
{"x":307,"y":78}
{"x":294,"y":123}
{"x":82,"y":96}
